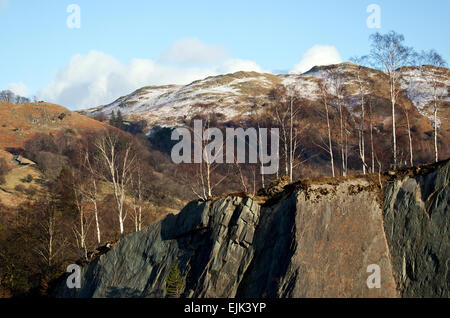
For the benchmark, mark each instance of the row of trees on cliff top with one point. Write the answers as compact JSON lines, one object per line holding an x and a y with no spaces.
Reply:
{"x":390,"y":55}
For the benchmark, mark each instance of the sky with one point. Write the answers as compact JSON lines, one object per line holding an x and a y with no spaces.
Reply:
{"x":85,"y":53}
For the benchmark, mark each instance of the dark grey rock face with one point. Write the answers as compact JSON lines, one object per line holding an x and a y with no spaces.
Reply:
{"x":274,"y":247}
{"x":314,"y":241}
{"x":209,"y":241}
{"x":416,"y":213}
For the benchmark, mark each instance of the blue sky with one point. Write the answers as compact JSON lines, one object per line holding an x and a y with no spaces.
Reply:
{"x":123,"y":45}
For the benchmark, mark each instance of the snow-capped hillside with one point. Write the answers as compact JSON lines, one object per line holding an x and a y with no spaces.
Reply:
{"x":418,"y":85}
{"x":227,"y":94}
{"x":233,"y":95}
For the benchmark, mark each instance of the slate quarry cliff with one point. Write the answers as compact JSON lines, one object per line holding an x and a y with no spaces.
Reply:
{"x":314,"y":239}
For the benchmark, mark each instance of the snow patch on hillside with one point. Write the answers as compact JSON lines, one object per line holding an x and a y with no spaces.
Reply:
{"x":166,"y":104}
{"x":303,"y":86}
{"x":233,"y":95}
{"x":420,"y":90}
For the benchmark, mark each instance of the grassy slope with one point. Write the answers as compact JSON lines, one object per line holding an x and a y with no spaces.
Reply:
{"x":20,"y":122}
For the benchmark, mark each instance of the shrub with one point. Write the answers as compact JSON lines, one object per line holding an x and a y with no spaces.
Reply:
{"x":41,"y":142}
{"x":100,"y":117}
{"x":27,"y":179}
{"x":20,"y":188}
{"x":50,"y":164}
{"x":31,"y":191}
{"x":174,"y":282}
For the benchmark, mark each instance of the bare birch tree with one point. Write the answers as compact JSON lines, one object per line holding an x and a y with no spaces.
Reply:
{"x":294,"y":110}
{"x":439,"y":91}
{"x":390,"y":54}
{"x":117,"y":157}
{"x":363,"y":91}
{"x":323,"y":88}
{"x":137,"y":195}
{"x":51,"y":244}
{"x":257,"y":117}
{"x":337,"y":87}
{"x":372,"y":151}
{"x":278,"y":96}
{"x":92,"y":191}
{"x":206,"y":181}
{"x":408,"y":130}
{"x":82,"y":231}
{"x":286,"y":109}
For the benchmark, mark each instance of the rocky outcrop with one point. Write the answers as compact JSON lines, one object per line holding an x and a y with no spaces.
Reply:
{"x":314,"y":239}
{"x":416,"y":214}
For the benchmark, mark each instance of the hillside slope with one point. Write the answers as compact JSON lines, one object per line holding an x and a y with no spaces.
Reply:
{"x":244,"y":99}
{"x":315,"y":239}
{"x":19,"y":122}
{"x":236,"y":95}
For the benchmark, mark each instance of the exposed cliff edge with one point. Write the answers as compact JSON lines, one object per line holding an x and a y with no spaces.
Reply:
{"x":315,"y":239}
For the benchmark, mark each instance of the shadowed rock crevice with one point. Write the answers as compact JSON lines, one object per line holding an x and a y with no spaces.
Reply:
{"x":274,"y":247}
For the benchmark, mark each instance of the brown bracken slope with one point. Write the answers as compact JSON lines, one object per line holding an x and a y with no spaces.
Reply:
{"x":19,"y":122}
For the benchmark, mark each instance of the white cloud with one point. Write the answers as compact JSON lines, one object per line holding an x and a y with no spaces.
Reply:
{"x":98,"y":78}
{"x":18,"y":89}
{"x":315,"y":56}
{"x":193,"y":51}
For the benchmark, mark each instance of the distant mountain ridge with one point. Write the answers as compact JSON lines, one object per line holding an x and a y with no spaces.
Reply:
{"x":235,"y":95}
